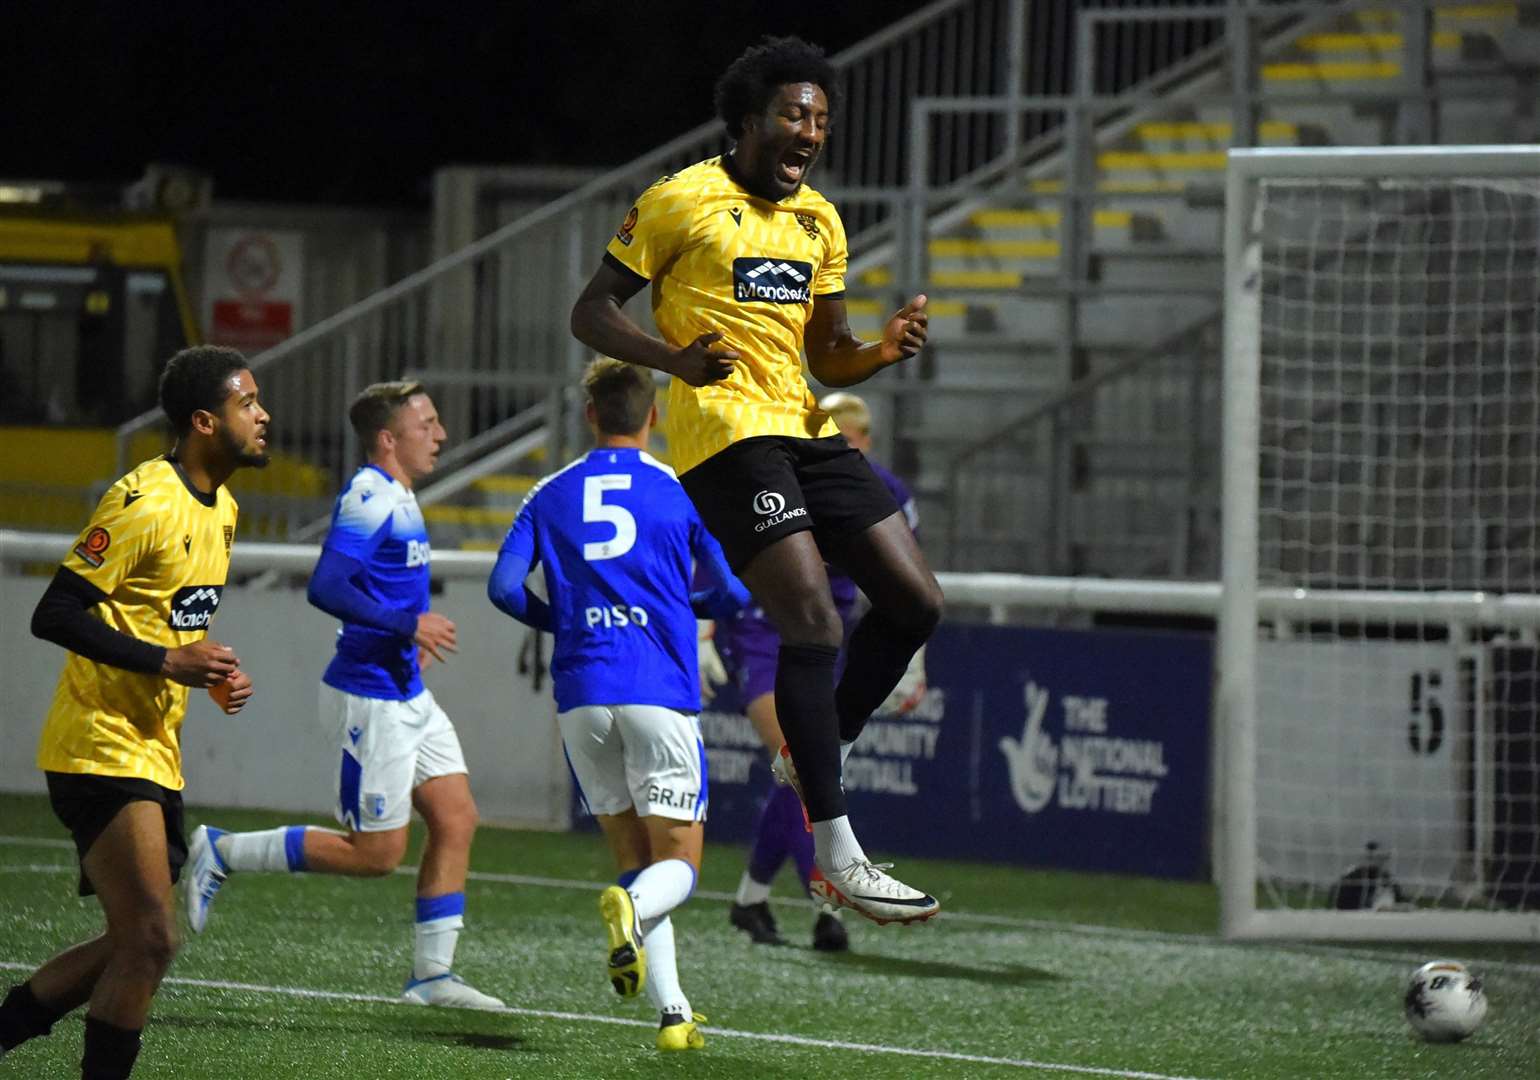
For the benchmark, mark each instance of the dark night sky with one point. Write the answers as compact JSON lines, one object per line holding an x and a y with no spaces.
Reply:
{"x":358,"y":103}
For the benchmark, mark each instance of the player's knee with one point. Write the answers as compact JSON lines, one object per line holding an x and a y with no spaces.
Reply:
{"x":149,"y":942}
{"x":380,"y":858}
{"x":916,"y":617}
{"x":456,"y":829}
{"x":381,"y":862}
{"x":812,"y":620}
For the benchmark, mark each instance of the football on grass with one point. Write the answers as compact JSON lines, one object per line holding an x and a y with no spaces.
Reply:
{"x":1445,"y":1001}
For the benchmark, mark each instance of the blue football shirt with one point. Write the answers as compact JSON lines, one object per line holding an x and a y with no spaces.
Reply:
{"x":616,"y":533}
{"x":378,"y":524}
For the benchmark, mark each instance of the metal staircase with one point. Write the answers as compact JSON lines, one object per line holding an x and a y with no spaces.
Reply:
{"x":1105,"y":460}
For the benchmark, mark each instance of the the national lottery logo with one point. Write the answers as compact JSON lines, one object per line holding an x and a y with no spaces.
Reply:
{"x":1033,"y":759}
{"x":1087,"y":768}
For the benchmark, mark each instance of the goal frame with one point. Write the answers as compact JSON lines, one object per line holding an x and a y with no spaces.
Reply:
{"x":1236,"y":691}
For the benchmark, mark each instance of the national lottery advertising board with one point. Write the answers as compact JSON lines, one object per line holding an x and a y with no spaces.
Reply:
{"x":1087,"y":750}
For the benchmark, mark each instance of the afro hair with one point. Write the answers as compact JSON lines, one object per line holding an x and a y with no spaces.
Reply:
{"x":750,"y":81}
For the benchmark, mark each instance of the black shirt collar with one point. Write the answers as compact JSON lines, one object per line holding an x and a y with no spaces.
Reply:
{"x":207,"y":498}
{"x":730,"y":166}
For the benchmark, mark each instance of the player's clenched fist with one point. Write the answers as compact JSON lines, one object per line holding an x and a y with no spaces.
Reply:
{"x":700,"y":365}
{"x":202,"y":663}
{"x":905,"y":333}
{"x":232,"y":694}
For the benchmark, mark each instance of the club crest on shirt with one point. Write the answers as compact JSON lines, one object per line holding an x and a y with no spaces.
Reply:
{"x":229,"y":536}
{"x":93,"y":548}
{"x":772,"y":281}
{"x":628,"y":227}
{"x":809,"y":224}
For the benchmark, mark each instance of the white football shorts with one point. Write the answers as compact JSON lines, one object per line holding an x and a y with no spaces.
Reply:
{"x":386,"y":749}
{"x":642,"y":756}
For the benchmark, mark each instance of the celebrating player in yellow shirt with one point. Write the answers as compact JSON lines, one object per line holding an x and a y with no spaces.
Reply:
{"x":747,"y":267}
{"x":132,"y":603}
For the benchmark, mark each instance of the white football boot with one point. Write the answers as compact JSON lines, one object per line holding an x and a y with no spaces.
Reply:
{"x":204,"y":873}
{"x":785,"y":772}
{"x":865,"y":888}
{"x":448,"y":991}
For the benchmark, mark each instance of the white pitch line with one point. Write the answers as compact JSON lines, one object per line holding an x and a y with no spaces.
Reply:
{"x":594,"y":1018}
{"x":35,"y":841}
{"x":1004,"y":922}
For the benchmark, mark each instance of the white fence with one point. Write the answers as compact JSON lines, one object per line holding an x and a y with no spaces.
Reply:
{"x":273,"y":755}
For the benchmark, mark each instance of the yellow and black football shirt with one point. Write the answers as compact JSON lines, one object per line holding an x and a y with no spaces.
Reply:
{"x":721,"y":259}
{"x":159,"y":549}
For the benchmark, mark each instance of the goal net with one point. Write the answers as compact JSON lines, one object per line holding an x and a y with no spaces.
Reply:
{"x":1379,"y":694}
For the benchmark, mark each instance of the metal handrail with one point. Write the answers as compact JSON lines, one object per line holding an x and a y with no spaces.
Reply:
{"x":528,"y":222}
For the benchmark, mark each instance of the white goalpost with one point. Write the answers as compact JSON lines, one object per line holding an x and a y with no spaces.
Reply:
{"x":1380,"y":732}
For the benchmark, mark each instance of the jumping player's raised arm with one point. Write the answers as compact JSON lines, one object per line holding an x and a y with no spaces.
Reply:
{"x":836,"y":357}
{"x":652,"y":235}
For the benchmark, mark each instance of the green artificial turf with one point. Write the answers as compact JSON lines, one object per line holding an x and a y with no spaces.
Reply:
{"x":1026,"y":973}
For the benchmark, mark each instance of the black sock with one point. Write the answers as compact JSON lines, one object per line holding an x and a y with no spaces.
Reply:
{"x":23,"y":1017}
{"x":110,"y":1051}
{"x":879,"y":652}
{"x":804,"y":704}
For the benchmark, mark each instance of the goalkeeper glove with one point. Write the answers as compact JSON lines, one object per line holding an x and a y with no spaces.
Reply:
{"x":712,"y":673}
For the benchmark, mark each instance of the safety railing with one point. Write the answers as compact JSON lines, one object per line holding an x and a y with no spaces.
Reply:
{"x":499,"y":306}
{"x":1024,"y":496}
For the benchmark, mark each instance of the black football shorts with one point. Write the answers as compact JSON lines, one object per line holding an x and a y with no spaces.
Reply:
{"x":758,"y":490}
{"x":87,"y":804}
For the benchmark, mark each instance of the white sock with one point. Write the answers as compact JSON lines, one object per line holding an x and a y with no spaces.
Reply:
{"x":834,"y":844}
{"x":439,"y":922}
{"x":662,"y":970}
{"x":661,"y":888}
{"x":280,"y":850}
{"x":434,"y":949}
{"x":751,"y":891}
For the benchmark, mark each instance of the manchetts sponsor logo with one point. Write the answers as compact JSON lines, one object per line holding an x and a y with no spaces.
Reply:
{"x":772,"y":281}
{"x":193,"y":606}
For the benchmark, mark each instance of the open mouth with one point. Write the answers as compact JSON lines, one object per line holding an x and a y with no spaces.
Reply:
{"x":793,"y":166}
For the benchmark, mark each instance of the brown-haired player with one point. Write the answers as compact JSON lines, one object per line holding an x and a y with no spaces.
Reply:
{"x":395,"y":748}
{"x":614,"y":535}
